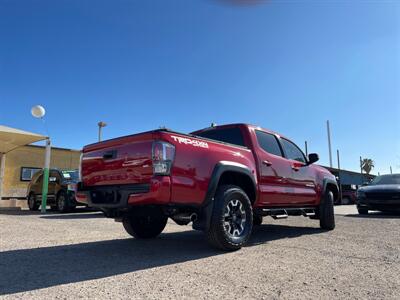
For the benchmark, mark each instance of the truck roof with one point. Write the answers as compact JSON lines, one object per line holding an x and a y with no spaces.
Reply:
{"x":237,"y":125}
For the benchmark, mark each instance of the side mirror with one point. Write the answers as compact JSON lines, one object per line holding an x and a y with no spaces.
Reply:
{"x":52,"y":179}
{"x":312,"y":158}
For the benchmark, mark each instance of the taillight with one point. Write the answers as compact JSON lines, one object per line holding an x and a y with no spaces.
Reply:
{"x":163,"y":157}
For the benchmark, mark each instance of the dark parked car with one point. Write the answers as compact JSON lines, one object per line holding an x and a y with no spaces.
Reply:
{"x":349,"y":194}
{"x":61,"y":191}
{"x":383,"y":194}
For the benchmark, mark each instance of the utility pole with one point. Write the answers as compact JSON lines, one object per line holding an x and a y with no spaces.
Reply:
{"x":362,"y":180}
{"x":329,"y":143}
{"x":340,"y":181}
{"x":306,"y":148}
{"x":101,"y":124}
{"x":391,"y":171}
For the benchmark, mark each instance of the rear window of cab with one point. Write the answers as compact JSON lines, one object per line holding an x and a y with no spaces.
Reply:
{"x":231,"y":135}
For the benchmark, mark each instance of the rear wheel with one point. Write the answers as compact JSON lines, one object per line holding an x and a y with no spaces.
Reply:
{"x":62,"y":202}
{"x":32,"y":204}
{"x":326,"y":212}
{"x":232,"y":219}
{"x":145,"y":226}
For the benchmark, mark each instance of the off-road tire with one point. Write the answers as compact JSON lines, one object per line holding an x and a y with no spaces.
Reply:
{"x":32,"y":203}
{"x":62,"y":202}
{"x":145,"y":226}
{"x":217,"y":234}
{"x":326,"y":212}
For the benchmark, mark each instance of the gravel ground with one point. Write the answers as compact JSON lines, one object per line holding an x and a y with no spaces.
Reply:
{"x":84,"y":255}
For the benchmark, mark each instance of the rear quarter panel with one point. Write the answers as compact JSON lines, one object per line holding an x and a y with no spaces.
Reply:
{"x":195,"y":159}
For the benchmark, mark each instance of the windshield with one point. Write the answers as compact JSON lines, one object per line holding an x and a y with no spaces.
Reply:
{"x":386,"y":179}
{"x":70,"y":174}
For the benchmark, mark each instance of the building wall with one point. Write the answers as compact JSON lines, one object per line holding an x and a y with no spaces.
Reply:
{"x":33,"y":156}
{"x":350,"y":177}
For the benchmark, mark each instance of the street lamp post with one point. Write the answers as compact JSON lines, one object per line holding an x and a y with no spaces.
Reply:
{"x":328,"y":128}
{"x":46,"y":171}
{"x":101,"y":124}
{"x":39,"y":112}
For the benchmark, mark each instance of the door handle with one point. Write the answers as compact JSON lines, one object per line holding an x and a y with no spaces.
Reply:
{"x":267,"y":163}
{"x":295,"y":168}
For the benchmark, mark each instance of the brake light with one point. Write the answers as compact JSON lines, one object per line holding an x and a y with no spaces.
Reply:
{"x":163,"y":157}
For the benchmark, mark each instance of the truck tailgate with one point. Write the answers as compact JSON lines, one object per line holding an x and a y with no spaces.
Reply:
{"x":126,"y":160}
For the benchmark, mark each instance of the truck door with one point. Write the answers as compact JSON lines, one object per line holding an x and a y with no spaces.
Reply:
{"x":302,"y":179}
{"x":274,"y":169}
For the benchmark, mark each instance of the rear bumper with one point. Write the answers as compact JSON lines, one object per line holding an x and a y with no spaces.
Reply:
{"x":157,"y":191}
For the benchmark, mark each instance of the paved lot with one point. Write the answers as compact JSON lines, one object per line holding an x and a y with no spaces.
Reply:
{"x":84,"y":255}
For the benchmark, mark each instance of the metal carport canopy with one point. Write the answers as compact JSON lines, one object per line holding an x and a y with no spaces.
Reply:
{"x":10,"y":139}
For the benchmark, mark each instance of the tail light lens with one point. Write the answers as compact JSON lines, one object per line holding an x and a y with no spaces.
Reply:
{"x":163,"y":157}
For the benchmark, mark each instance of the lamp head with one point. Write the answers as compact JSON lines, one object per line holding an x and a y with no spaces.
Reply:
{"x":38,"y":111}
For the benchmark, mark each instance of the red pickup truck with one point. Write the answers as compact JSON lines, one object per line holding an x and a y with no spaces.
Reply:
{"x":223,"y":179}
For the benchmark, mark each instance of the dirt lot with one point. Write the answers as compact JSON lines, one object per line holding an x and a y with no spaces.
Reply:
{"x":84,"y":255}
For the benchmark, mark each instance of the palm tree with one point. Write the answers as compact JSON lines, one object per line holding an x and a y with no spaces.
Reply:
{"x":367,"y":165}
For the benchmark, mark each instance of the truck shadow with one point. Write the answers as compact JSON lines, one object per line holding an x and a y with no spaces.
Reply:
{"x":19,"y":212}
{"x":30,"y":269}
{"x":78,"y":213}
{"x":267,"y":232}
{"x":74,"y":216}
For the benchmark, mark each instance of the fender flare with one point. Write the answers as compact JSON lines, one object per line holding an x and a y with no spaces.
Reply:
{"x":219,"y":169}
{"x":325,"y":183}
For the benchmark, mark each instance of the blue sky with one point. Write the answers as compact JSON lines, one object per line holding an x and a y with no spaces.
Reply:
{"x":284,"y":65}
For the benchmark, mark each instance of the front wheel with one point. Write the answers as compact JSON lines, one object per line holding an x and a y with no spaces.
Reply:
{"x":145,"y":226}
{"x":32,"y":204}
{"x":326,"y":212}
{"x":232,"y":219}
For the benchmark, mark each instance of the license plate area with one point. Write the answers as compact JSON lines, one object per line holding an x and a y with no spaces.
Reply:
{"x":105,"y":197}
